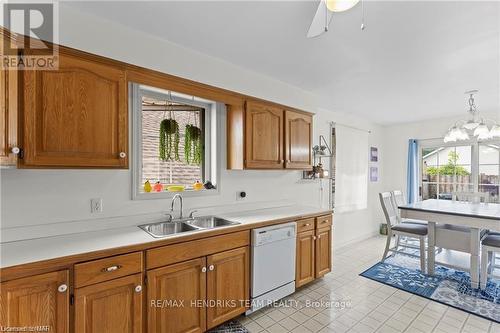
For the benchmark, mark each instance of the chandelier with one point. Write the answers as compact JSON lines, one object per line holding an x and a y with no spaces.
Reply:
{"x":475,"y":127}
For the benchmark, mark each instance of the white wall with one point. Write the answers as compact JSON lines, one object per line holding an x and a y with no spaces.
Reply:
{"x":395,"y":143}
{"x":40,"y":197}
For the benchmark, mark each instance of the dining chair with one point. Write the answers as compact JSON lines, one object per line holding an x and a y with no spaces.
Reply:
{"x":396,"y":228}
{"x":399,"y":199}
{"x":460,"y":238}
{"x":490,"y":245}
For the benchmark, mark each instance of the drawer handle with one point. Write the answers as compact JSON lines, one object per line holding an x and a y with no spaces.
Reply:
{"x":204,"y":269}
{"x":62,"y":288}
{"x":211,"y":267}
{"x":138,"y":288}
{"x":307,"y":224}
{"x":111,"y":268}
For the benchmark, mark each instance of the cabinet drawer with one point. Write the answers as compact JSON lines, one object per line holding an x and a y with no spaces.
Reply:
{"x":108,"y":268}
{"x":323,"y":221}
{"x":172,"y":254}
{"x":305,"y":224}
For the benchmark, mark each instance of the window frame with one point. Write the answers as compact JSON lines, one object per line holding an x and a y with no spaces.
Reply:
{"x":212,"y":144}
{"x":474,"y":144}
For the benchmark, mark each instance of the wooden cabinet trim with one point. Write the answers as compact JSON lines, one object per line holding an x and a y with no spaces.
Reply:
{"x":107,"y":269}
{"x":184,"y":251}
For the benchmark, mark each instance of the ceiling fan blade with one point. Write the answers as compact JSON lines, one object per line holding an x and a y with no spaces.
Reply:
{"x":321,"y":20}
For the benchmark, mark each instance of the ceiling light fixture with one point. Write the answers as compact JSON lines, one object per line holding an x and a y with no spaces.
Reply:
{"x":324,"y":15}
{"x":340,"y":5}
{"x":474,"y":126}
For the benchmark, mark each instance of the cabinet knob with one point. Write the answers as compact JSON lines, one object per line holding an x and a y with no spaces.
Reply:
{"x":122,"y":154}
{"x":62,"y":288}
{"x":211,"y":267}
{"x":307,"y":224}
{"x":138,"y":288}
{"x":319,"y":236}
{"x":314,"y":237}
{"x":15,"y":150}
{"x":204,"y":269}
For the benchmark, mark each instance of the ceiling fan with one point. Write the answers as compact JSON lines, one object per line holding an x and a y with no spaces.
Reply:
{"x":324,"y":15}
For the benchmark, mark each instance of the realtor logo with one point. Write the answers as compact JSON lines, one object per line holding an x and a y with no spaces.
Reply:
{"x":33,"y":42}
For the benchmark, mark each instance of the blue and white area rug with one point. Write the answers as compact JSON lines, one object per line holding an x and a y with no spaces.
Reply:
{"x":448,"y":286}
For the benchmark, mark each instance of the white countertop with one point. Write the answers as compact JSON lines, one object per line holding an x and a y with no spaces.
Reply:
{"x":33,"y":250}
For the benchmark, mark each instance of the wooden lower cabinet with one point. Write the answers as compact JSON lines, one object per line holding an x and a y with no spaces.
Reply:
{"x":113,"y":306}
{"x":198,"y":294}
{"x":228,"y":286}
{"x":304,"y":270}
{"x":176,"y":295}
{"x":323,"y":261}
{"x":314,"y":251}
{"x":40,"y":300}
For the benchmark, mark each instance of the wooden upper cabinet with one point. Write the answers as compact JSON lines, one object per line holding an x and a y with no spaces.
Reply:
{"x":227,"y":285}
{"x":298,"y":140}
{"x":8,"y":115}
{"x":40,"y":300}
{"x":114,"y":306}
{"x":184,"y":286}
{"x":75,"y":116}
{"x":263,"y":136}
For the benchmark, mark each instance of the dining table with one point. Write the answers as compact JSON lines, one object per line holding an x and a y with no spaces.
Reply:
{"x":476,"y":216}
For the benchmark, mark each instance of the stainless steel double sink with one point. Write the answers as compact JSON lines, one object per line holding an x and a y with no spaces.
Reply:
{"x":167,"y":228}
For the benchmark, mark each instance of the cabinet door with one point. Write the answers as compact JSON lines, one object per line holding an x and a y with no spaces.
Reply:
{"x":298,"y":140}
{"x":264,"y":136}
{"x":176,"y":297}
{"x":8,"y":116}
{"x":75,"y":116}
{"x":110,"y":307}
{"x":228,"y":288}
{"x":304,"y":268}
{"x":323,"y":251}
{"x":40,"y":300}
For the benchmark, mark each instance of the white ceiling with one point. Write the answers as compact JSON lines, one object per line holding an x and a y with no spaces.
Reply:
{"x":413,"y":62}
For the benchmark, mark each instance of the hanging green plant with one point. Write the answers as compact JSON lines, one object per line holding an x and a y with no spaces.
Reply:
{"x":192,"y":144}
{"x":169,"y":140}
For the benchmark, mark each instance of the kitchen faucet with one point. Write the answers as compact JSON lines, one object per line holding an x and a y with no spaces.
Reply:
{"x":173,"y":203}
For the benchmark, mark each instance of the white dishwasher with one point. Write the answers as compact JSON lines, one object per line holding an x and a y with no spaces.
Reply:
{"x":273,"y":264}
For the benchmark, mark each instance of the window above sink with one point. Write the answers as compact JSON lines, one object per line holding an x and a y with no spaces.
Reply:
{"x":175,"y":143}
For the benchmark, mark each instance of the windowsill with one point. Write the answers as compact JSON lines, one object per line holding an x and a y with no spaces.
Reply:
{"x":167,"y":195}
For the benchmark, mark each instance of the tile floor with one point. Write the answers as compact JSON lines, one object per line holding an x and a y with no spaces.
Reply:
{"x":343,"y":301}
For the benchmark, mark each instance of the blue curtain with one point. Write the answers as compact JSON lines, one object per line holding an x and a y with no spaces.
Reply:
{"x":412,"y":172}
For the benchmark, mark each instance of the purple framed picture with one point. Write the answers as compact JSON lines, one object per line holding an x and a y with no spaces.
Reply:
{"x":373,"y":154}
{"x":373,"y":174}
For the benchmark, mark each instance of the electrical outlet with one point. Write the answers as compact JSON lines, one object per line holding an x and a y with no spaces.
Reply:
{"x":96,"y":205}
{"x":241,"y":195}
